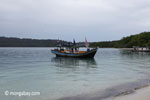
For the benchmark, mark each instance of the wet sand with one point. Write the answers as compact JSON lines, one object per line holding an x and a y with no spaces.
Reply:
{"x":140,"y":94}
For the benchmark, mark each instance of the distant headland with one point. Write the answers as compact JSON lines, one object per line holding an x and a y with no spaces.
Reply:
{"x":141,"y":39}
{"x":27,"y":42}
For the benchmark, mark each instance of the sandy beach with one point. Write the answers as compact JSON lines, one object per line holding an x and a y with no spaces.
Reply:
{"x":140,"y":94}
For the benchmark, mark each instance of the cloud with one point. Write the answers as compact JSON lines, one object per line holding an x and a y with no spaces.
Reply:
{"x":96,"y":19}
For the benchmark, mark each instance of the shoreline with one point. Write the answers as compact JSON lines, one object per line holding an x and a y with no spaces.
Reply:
{"x":129,"y":91}
{"x":137,"y":94}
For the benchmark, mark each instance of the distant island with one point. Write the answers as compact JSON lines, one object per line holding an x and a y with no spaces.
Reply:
{"x":141,"y":39}
{"x":25,"y":42}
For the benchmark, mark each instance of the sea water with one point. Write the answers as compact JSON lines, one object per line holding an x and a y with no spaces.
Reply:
{"x":109,"y":73}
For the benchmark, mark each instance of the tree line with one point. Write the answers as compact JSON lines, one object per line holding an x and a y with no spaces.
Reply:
{"x":141,"y":39}
{"x":17,"y":42}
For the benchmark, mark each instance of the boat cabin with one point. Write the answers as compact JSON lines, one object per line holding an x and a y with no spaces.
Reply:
{"x":72,"y":50}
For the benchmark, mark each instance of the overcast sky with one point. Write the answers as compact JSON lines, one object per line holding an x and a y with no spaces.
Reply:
{"x":97,"y":20}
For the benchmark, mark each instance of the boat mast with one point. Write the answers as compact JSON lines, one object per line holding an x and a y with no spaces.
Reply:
{"x":86,"y":43}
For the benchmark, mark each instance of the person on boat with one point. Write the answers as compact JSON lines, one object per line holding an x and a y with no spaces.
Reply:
{"x":72,"y":50}
{"x":88,"y":49}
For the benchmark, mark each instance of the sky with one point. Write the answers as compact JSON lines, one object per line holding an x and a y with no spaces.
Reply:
{"x":97,"y":20}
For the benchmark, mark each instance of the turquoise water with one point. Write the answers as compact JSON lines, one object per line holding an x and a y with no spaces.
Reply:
{"x":37,"y":70}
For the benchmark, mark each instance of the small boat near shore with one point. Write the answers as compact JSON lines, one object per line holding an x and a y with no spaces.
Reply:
{"x":72,"y":50}
{"x":141,"y":49}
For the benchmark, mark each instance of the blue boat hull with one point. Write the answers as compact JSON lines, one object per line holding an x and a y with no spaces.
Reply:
{"x":88,"y":54}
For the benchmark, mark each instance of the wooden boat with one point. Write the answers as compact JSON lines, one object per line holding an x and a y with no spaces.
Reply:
{"x":79,"y":54}
{"x":72,"y":50}
{"x":141,"y":49}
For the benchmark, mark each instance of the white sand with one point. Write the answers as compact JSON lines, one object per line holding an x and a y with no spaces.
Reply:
{"x":140,"y":94}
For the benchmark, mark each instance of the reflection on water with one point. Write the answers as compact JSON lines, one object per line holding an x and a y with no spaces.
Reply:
{"x":135,"y":55}
{"x":130,"y":52}
{"x":138,"y":61}
{"x":73,"y":62}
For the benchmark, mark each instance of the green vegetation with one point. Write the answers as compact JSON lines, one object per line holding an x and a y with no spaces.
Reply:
{"x":17,"y":42}
{"x":142,"y":40}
